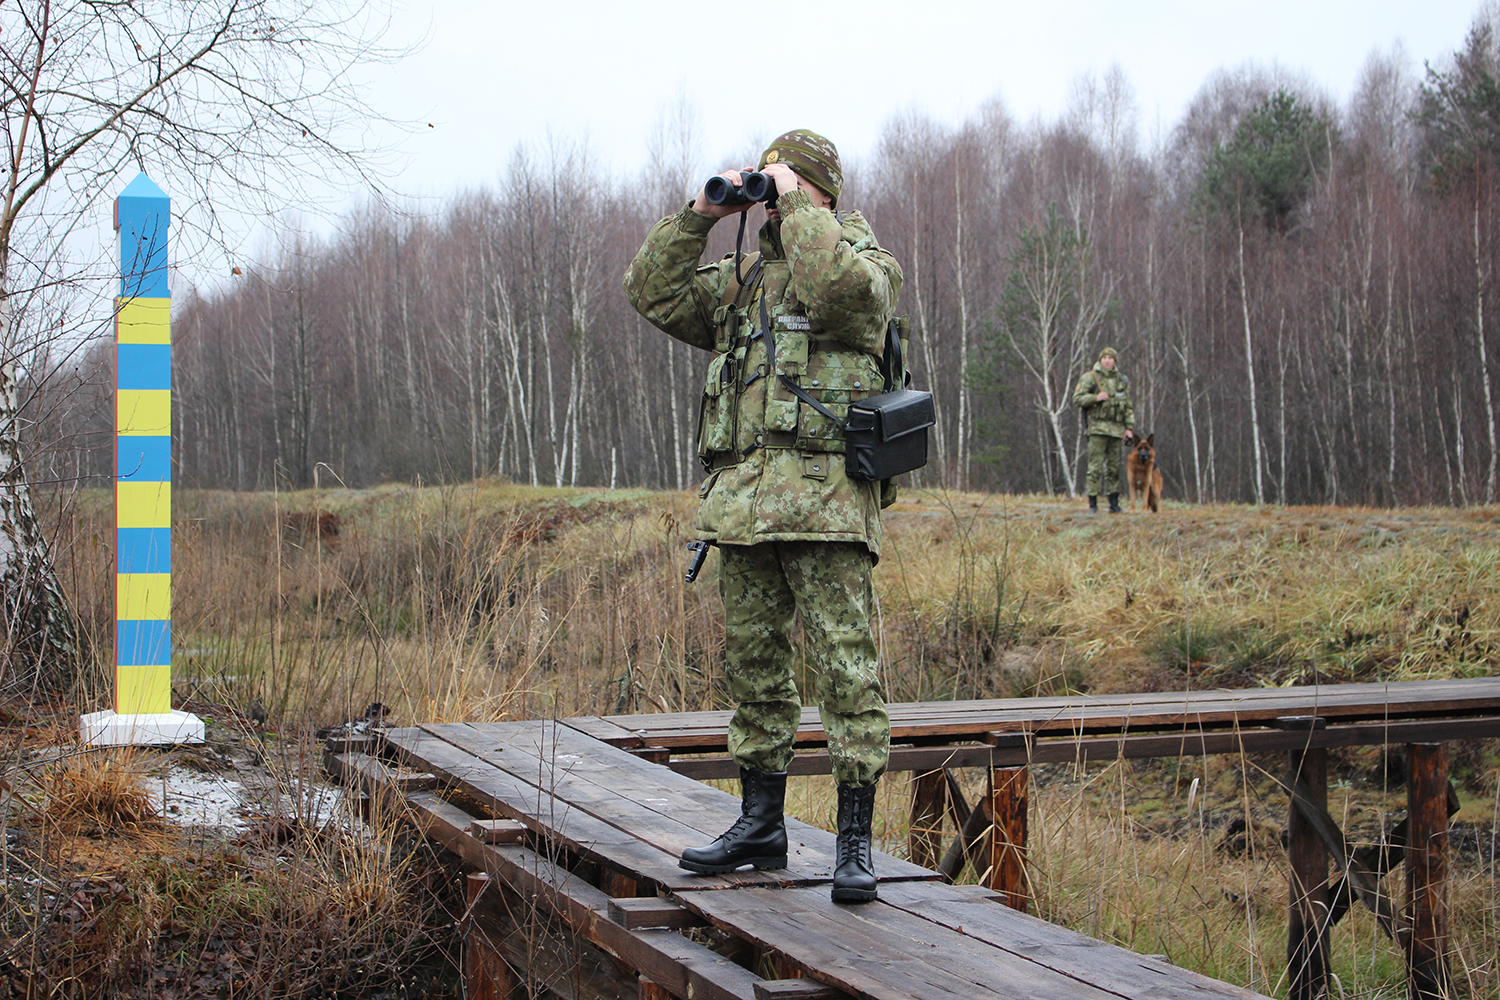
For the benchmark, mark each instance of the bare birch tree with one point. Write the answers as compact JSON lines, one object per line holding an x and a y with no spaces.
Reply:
{"x":1054,"y":302}
{"x":245,"y":96}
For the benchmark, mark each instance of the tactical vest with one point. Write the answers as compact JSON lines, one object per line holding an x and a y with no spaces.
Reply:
{"x":1111,"y":411}
{"x":744,"y":406}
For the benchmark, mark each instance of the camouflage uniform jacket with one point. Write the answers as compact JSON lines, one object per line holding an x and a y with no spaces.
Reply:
{"x":776,"y":469}
{"x":1113,"y":416}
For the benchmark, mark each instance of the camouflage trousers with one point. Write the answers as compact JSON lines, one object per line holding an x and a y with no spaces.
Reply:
{"x":827,"y":586}
{"x":1104,"y":465}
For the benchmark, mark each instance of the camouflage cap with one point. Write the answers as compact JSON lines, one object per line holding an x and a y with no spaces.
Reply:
{"x":1110,"y":352}
{"x":811,"y":156}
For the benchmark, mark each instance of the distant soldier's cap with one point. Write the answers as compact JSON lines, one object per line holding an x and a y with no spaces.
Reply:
{"x":811,"y":156}
{"x":1108,"y":352}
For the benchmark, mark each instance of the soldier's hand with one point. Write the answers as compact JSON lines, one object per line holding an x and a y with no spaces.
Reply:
{"x":702,"y":207}
{"x":1102,"y":396}
{"x":784,"y":176}
{"x":785,"y":179}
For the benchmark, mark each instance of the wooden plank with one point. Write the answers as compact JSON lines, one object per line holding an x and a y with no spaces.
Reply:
{"x":1246,"y":741}
{"x":1086,"y":718}
{"x":604,"y":731}
{"x":818,"y":762}
{"x":649,"y":911}
{"x":686,"y":968}
{"x":797,"y":989}
{"x":1426,"y":869}
{"x":704,"y":973}
{"x":1214,"y":708}
{"x":598,"y":819}
{"x":551,"y":819}
{"x":879,"y":952}
{"x":367,"y":772}
{"x":669,"y":811}
{"x":1085,"y":749}
{"x":499,"y":831}
{"x":1110,"y":968}
{"x":437,"y":818}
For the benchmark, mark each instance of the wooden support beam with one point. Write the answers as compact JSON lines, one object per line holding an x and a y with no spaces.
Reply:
{"x":924,"y":837}
{"x":1427,"y":869}
{"x":617,"y":885}
{"x":1308,"y":896}
{"x":487,"y":976}
{"x":969,"y":843}
{"x":1007,"y":854}
{"x":656,"y":755}
{"x":958,"y":805}
{"x":543,"y":958}
{"x":647,"y":990}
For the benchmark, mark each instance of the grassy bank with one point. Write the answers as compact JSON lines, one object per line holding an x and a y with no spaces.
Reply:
{"x":490,"y":600}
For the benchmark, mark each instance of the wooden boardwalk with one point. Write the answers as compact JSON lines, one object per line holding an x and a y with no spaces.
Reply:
{"x":572,"y":830}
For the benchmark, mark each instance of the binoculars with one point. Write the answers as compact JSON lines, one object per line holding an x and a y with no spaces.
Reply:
{"x":754,"y":186}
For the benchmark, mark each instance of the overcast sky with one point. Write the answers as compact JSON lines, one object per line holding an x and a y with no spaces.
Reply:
{"x":484,"y":78}
{"x":493,"y":75}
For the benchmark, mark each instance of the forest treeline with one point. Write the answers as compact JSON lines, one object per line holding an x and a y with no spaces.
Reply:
{"x":1300,"y":292}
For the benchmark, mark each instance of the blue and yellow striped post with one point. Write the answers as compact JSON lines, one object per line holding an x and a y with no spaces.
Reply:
{"x":143,"y":482}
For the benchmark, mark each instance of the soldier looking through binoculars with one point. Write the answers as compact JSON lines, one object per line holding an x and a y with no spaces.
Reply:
{"x":797,"y":537}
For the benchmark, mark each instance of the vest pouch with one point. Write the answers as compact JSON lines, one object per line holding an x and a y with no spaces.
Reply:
{"x":716,"y":418}
{"x":791,"y":358}
{"x":835,"y":378}
{"x":886,"y":435}
{"x":781,"y":414}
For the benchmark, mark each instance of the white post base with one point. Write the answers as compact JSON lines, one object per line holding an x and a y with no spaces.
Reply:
{"x":106,"y":729}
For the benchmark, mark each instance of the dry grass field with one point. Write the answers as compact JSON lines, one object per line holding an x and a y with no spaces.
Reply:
{"x":491,"y":601}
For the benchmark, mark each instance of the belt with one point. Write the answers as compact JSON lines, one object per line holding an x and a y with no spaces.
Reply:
{"x":765,"y":439}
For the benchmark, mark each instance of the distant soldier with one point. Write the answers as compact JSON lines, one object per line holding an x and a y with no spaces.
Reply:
{"x":1104,"y":395}
{"x":797,"y":538}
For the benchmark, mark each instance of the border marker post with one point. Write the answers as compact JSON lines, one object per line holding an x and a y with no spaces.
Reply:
{"x":142,"y":712}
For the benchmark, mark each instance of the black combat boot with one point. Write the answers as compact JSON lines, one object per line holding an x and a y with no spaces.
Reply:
{"x":854,"y":872}
{"x":758,"y":837}
{"x":1093,"y":504}
{"x":1114,"y":504}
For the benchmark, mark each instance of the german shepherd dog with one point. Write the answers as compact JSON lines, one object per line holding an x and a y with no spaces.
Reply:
{"x":1144,"y":476}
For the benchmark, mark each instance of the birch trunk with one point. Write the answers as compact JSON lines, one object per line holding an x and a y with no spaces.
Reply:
{"x":1481,"y":279}
{"x":1260,"y":492}
{"x":39,"y":636}
{"x":960,"y":270}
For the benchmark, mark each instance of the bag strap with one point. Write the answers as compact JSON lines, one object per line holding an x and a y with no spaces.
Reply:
{"x":893,"y":363}
{"x":753,"y":256}
{"x":733,"y":288}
